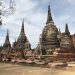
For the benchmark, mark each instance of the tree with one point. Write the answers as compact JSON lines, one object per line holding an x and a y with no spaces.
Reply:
{"x":6,"y":8}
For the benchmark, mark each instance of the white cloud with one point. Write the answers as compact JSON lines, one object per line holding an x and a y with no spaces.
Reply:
{"x":71,"y":1}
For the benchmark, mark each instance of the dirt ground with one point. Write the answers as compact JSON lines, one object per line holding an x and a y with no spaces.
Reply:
{"x":13,"y":69}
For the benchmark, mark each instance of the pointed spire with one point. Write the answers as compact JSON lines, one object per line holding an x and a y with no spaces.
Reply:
{"x":59,"y":30}
{"x":7,"y":36}
{"x":22,"y":29}
{"x":49,"y":17}
{"x":7,"y":42}
{"x":67,"y":30}
{"x":15,"y":40}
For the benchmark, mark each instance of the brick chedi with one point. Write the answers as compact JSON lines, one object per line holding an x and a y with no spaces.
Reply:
{"x":49,"y":38}
{"x":22,"y":42}
{"x":73,"y":37}
{"x":7,"y":44}
{"x":66,"y":39}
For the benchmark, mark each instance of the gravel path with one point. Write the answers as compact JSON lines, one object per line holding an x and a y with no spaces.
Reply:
{"x":13,"y":69}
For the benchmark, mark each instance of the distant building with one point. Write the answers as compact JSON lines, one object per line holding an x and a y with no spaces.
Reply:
{"x":73,"y":37}
{"x":66,"y":39}
{"x":7,"y":45}
{"x":22,"y":42}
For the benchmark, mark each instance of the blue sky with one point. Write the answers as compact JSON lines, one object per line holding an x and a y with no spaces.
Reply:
{"x":34,"y":12}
